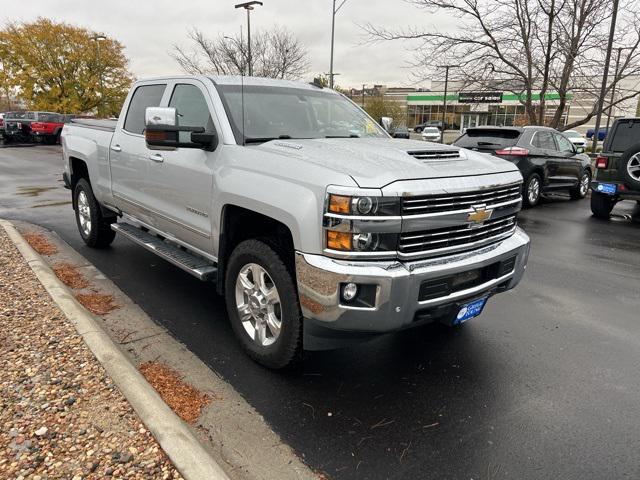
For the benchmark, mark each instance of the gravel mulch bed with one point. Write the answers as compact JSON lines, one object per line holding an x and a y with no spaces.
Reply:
{"x":61,"y":416}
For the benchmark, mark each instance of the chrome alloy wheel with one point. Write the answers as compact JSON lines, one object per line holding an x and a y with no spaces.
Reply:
{"x":258,"y":304}
{"x":584,"y":184}
{"x":84,"y":213}
{"x":533,"y":192}
{"x":633,"y":167}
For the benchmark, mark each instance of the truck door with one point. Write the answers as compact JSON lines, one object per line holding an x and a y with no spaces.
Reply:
{"x":129,"y":155}
{"x":180,"y":181}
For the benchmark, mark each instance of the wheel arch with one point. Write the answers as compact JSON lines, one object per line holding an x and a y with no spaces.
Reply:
{"x":238,"y":224}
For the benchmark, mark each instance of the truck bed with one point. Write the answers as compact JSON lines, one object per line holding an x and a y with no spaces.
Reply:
{"x":108,"y":125}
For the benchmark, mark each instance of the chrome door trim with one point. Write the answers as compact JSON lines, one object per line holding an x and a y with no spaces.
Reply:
{"x":163,"y":216}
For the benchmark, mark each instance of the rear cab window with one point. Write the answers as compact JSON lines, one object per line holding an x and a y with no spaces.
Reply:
{"x":143,"y":97}
{"x":543,"y":140}
{"x":626,"y":134}
{"x":489,"y":138}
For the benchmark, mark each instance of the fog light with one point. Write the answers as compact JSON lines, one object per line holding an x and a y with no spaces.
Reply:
{"x":349,"y":291}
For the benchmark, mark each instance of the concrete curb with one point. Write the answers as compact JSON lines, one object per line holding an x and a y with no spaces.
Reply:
{"x":181,"y":446}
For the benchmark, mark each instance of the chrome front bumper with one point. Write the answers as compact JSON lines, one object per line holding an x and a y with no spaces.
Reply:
{"x":398,"y":285}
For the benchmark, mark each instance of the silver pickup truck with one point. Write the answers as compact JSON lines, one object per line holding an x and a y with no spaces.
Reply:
{"x":318,"y":228}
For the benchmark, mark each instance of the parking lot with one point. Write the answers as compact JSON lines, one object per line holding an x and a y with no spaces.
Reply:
{"x":545,"y":384}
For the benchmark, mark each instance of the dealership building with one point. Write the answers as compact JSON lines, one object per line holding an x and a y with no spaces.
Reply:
{"x":469,"y":108}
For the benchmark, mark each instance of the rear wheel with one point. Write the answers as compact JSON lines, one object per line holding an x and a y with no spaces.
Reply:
{"x":94,"y":228}
{"x":581,"y":189}
{"x":262,"y":303}
{"x":532,"y":190}
{"x":601,"y":205}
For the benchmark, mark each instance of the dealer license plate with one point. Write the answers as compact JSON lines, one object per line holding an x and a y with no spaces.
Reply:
{"x":470,"y":310}
{"x":608,"y":188}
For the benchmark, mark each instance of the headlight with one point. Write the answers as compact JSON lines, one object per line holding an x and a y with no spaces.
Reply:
{"x":363,"y":205}
{"x":361,"y":242}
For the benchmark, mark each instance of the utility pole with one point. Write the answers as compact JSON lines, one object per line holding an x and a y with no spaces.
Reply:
{"x":98,"y":38}
{"x":613,"y":89}
{"x":248,"y":6}
{"x":334,"y":10}
{"x":603,"y":87}
{"x":363,"y":95}
{"x":444,"y":102}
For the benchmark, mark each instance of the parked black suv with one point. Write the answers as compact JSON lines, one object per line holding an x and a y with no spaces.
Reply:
{"x":617,"y":168}
{"x":547,"y":160}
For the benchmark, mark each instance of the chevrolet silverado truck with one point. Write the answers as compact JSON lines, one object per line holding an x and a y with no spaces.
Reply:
{"x":317,"y":227}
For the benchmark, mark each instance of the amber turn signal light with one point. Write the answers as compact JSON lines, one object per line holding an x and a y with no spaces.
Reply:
{"x":339,"y":240}
{"x":339,"y":204}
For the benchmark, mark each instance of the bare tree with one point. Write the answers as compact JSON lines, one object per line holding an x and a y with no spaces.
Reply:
{"x":528,"y":47}
{"x":275,"y":53}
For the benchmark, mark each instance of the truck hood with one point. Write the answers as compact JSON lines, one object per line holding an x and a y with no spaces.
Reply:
{"x":377,"y":162}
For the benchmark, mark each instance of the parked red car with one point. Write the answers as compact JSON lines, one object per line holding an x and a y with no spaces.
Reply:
{"x":48,"y":127}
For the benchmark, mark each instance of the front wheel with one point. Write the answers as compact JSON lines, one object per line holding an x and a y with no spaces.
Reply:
{"x":581,"y":189}
{"x":532,"y":190}
{"x":601,"y":205}
{"x":262,"y":304}
{"x":94,"y":228}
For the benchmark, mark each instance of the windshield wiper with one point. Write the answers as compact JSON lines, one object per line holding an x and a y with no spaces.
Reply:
{"x":488,"y":143}
{"x":265,"y":139}
{"x":353,"y":135}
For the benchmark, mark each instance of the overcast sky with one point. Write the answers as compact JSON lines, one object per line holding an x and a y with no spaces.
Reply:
{"x":149,"y":29}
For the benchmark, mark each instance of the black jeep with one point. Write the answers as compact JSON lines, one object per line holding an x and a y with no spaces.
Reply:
{"x":617,"y":168}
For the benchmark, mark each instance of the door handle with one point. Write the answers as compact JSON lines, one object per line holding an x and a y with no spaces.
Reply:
{"x":116,"y":148}
{"x":156,"y":157}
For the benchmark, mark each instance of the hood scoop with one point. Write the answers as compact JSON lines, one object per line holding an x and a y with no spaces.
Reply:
{"x":436,"y":155}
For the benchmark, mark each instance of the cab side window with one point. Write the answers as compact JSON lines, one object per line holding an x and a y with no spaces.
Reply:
{"x":543,"y":140}
{"x":144,"y":96}
{"x":192,"y":108}
{"x":564,"y":145}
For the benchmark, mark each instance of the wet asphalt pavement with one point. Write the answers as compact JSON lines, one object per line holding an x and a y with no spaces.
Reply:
{"x":545,"y":384}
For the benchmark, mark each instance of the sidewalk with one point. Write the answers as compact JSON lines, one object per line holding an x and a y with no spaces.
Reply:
{"x":61,"y":416}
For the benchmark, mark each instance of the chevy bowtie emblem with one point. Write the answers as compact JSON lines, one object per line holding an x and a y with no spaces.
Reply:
{"x":480,"y":215}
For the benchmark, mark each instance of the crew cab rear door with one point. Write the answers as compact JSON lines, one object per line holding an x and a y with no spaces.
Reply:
{"x":129,"y":156}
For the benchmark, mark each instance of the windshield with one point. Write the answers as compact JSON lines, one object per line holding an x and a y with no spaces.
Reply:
{"x":431,"y":130}
{"x":278,"y":112}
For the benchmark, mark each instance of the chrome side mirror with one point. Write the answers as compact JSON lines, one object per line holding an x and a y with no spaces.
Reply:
{"x":161,"y":116}
{"x":386,"y":122}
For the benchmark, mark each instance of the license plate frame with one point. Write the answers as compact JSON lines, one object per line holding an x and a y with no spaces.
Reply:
{"x":607,"y":188}
{"x":469,"y":310}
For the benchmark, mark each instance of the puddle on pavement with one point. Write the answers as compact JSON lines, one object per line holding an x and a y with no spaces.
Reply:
{"x":33,"y":191}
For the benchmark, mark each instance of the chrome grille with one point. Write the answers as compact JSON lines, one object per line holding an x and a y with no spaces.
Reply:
{"x":457,"y":238}
{"x":451,"y":202}
{"x":434,"y":154}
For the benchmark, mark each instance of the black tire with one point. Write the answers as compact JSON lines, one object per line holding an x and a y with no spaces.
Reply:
{"x":530,"y":194}
{"x":601,"y":205}
{"x":97,"y":232}
{"x":629,"y":167}
{"x":418,"y":129}
{"x":582,"y":188}
{"x":286,"y":349}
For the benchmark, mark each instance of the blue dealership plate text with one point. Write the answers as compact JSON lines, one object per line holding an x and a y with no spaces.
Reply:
{"x":608,"y":188}
{"x":470,"y":310}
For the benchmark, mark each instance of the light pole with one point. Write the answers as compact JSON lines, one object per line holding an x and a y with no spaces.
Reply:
{"x":363,"y":95}
{"x":613,"y":88}
{"x":248,"y":6}
{"x":334,"y":10}
{"x":444,"y":102}
{"x":603,"y":87}
{"x":98,"y":38}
